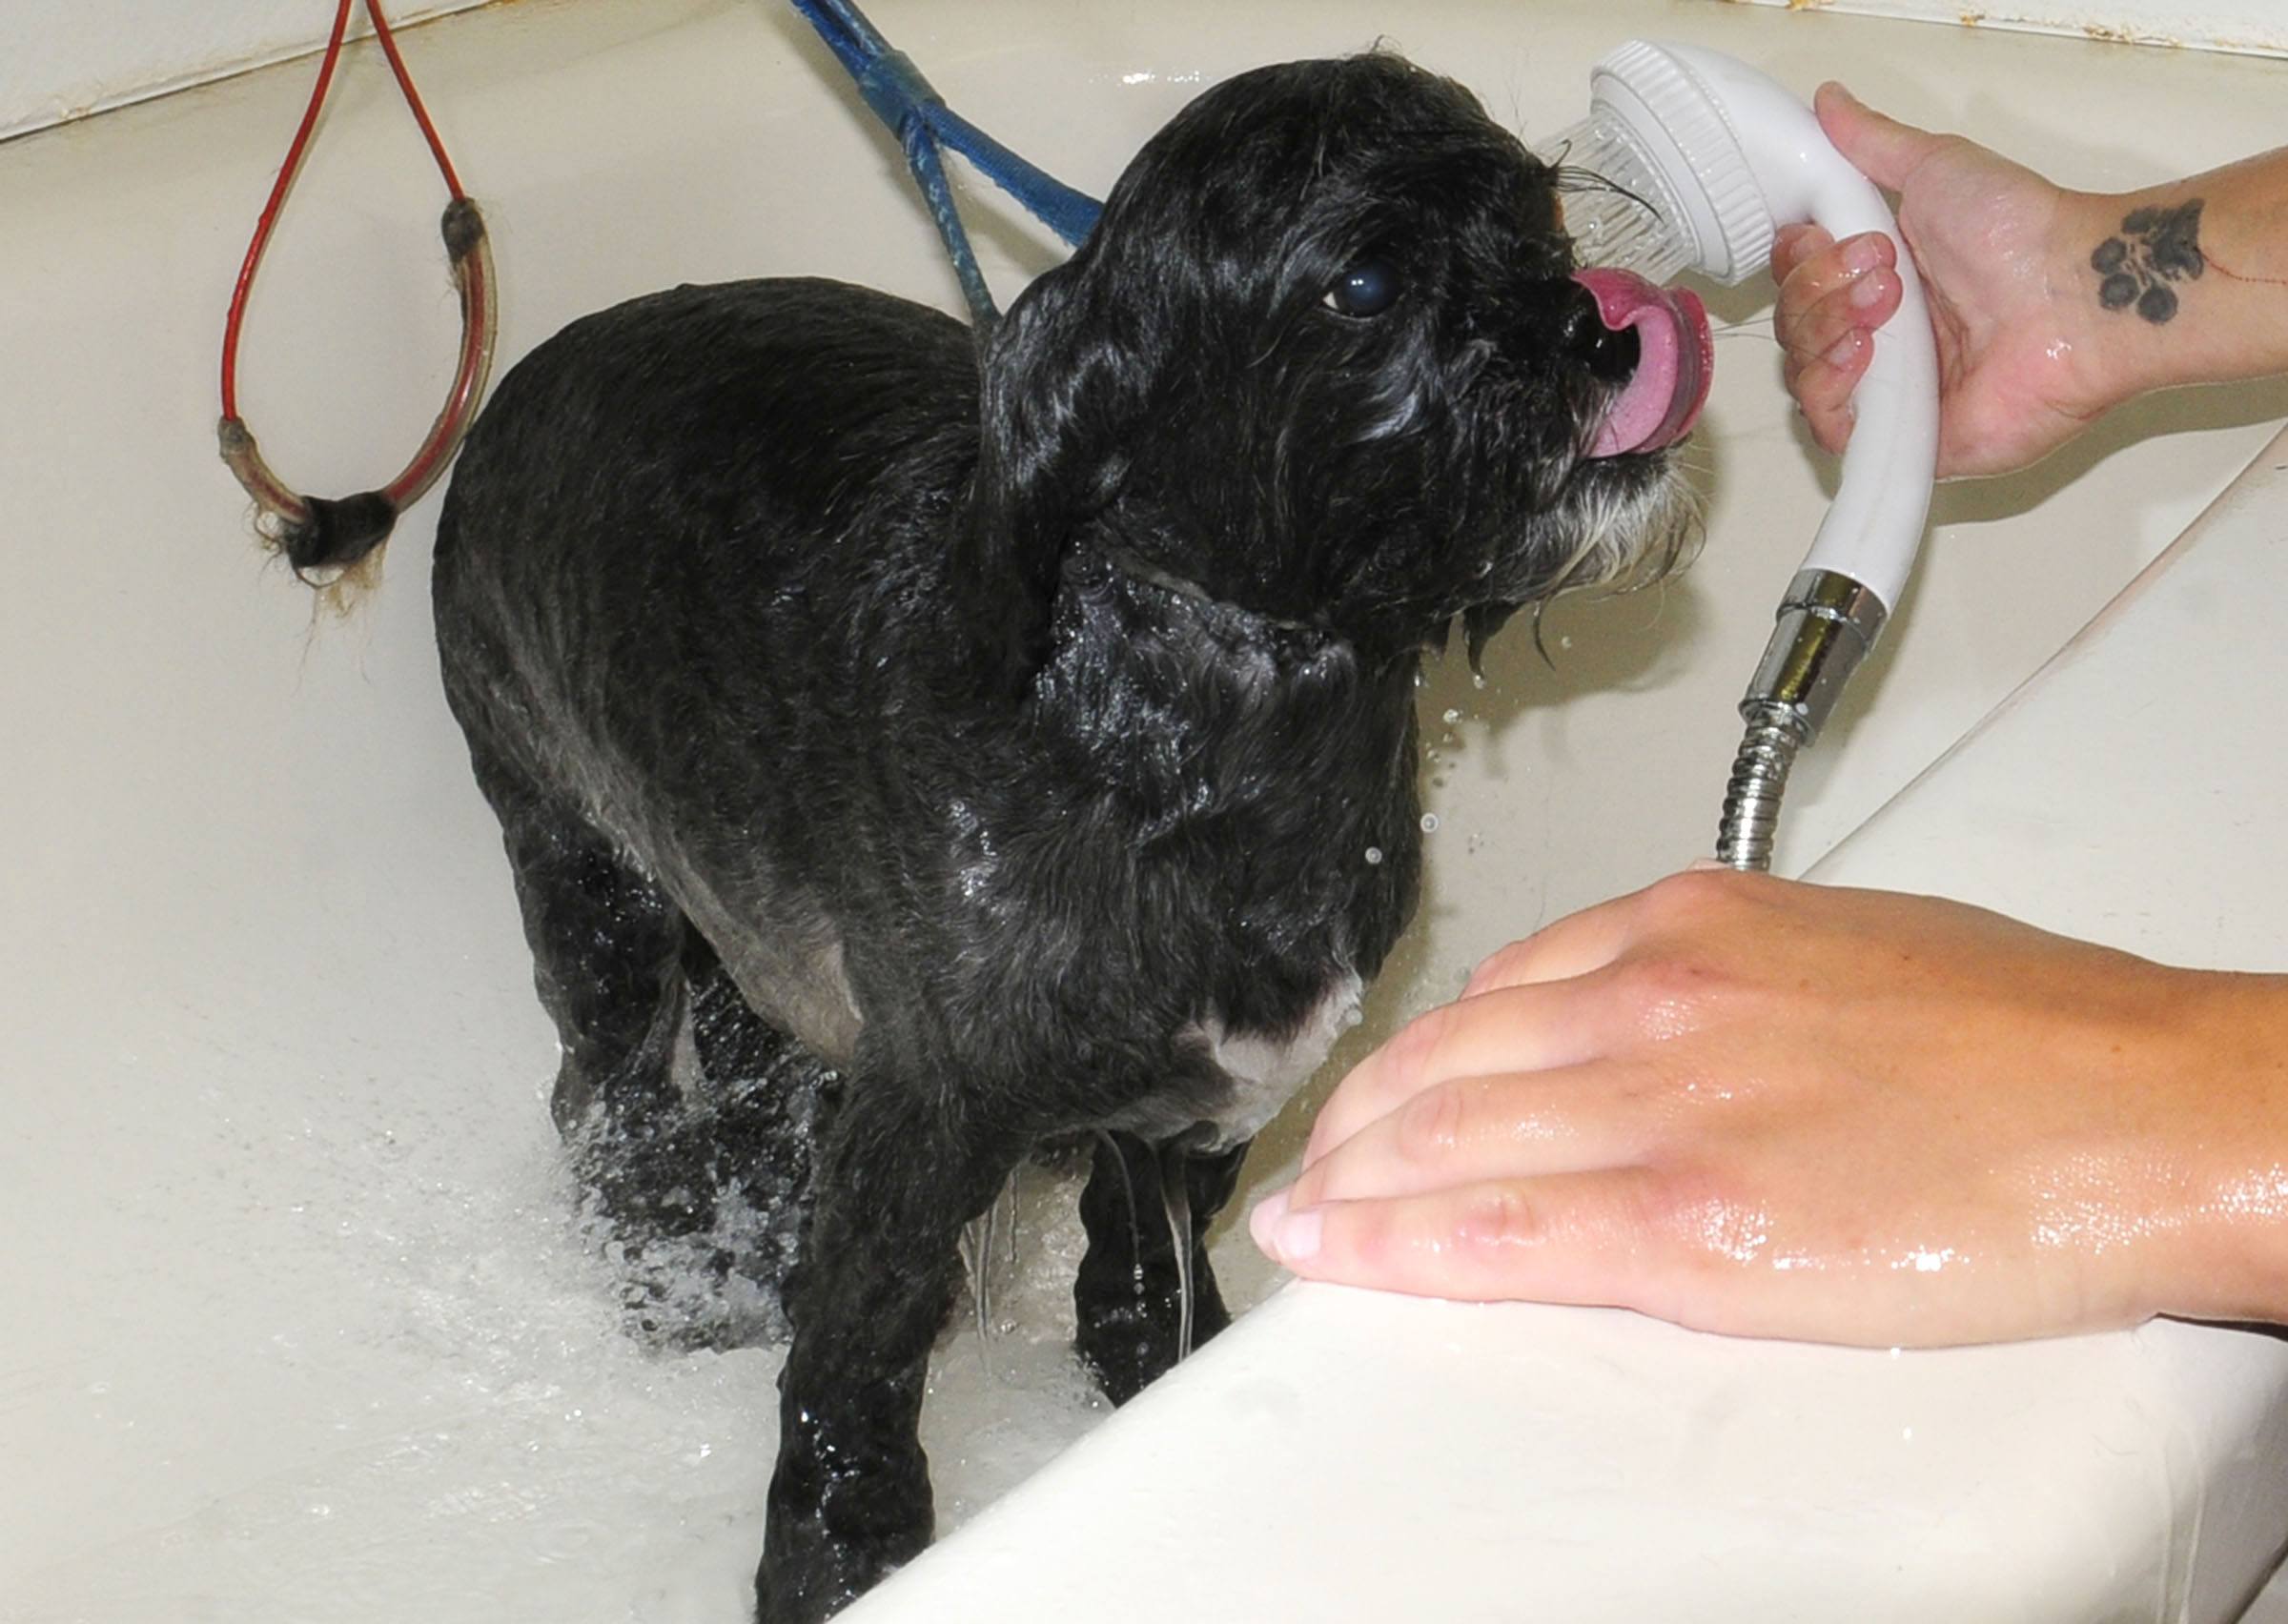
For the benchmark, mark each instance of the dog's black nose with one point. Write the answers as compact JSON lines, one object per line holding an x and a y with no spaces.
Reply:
{"x":1610,"y":355}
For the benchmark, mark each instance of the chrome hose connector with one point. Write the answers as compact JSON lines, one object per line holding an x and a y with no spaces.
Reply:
{"x":1825,"y":627}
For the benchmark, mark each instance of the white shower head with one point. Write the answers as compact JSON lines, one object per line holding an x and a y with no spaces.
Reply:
{"x":1709,"y":159}
{"x":1701,"y":160}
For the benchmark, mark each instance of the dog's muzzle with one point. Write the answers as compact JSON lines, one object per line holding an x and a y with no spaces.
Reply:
{"x":1676,"y":357}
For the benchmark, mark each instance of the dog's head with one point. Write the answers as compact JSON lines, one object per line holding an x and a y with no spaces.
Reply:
{"x":1324,"y":357}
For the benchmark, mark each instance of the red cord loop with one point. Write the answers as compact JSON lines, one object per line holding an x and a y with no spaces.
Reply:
{"x":316,"y":533}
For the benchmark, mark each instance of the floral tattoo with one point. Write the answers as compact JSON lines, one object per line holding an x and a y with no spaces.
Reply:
{"x":2157,"y":247}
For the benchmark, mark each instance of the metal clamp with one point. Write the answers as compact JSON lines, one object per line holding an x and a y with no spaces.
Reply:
{"x":1825,"y":627}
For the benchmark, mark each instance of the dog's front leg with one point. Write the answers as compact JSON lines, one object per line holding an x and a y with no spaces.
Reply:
{"x":849,"y":1499}
{"x":1127,"y":1296}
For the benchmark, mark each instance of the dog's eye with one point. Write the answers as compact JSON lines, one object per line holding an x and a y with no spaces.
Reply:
{"x":1368,"y":287}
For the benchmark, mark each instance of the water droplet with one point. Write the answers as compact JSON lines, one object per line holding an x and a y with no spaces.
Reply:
{"x":1452,"y":717}
{"x":1374,"y":855}
{"x":1429,"y":823}
{"x":1477,"y":679}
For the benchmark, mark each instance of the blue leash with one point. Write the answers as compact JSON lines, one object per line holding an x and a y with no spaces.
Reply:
{"x":905,"y":101}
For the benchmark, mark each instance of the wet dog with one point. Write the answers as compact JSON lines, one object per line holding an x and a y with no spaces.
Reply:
{"x":1008,"y":739}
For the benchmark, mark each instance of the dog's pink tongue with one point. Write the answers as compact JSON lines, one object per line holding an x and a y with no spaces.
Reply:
{"x":1676,"y":359}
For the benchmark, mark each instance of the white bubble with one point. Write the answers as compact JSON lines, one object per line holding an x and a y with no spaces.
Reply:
{"x":1374,"y":855}
{"x":1429,"y":823}
{"x":1452,"y":717}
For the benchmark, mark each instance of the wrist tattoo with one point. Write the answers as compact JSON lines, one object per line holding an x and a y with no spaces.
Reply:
{"x":2157,"y":245}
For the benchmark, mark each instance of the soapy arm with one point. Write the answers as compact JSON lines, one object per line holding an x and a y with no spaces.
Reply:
{"x":2049,"y":307}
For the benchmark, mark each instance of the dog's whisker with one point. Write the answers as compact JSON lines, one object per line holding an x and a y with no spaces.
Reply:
{"x":1632,"y":542}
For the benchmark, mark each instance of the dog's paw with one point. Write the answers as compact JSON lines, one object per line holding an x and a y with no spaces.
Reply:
{"x":703,"y":1215}
{"x":1128,"y":1347}
{"x":820,"y":1555}
{"x":1123,"y":1360}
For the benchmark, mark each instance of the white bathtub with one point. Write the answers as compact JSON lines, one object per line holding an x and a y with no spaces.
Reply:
{"x":295,"y":1327}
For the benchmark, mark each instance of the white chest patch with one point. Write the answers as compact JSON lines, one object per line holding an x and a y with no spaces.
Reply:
{"x":1266,"y":1072}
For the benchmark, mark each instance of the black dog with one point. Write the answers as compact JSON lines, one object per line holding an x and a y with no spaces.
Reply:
{"x":1016,"y":732}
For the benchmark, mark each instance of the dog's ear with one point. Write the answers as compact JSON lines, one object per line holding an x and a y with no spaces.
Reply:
{"x":1066,"y":381}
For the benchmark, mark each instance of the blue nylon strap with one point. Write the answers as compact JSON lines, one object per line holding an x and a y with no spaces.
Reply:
{"x":907,"y":102}
{"x":1071,"y":215}
{"x":930,"y":175}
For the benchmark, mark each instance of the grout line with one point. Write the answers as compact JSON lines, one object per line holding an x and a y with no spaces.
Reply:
{"x":360,"y":31}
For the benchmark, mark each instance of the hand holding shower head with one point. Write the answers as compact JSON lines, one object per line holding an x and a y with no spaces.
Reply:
{"x":1710,"y":157}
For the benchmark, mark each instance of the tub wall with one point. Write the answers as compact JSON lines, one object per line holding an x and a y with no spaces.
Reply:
{"x":2256,"y":27}
{"x":67,"y":58}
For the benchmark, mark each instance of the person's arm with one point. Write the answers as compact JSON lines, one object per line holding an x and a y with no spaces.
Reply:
{"x":1765,"y":1107}
{"x":2049,"y":307}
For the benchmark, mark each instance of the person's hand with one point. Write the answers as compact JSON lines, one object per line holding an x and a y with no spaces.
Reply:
{"x":2004,"y":277}
{"x":1772,"y":1108}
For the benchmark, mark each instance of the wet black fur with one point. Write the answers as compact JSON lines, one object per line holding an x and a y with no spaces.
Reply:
{"x":1046,"y":692}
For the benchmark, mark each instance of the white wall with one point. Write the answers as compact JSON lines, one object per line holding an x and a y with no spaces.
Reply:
{"x":2256,"y":26}
{"x":62,"y":58}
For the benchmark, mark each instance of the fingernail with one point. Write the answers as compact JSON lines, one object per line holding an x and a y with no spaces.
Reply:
{"x":1868,"y":291}
{"x":1263,"y":1223}
{"x":1298,"y":1235}
{"x":1863,"y":254}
